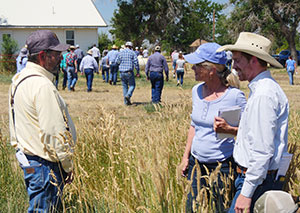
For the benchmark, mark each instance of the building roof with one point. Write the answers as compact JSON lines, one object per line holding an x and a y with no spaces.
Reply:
{"x":50,"y":13}
{"x":197,"y":43}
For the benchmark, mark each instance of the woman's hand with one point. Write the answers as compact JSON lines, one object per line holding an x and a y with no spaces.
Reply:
{"x":221,"y":126}
{"x":184,"y":166}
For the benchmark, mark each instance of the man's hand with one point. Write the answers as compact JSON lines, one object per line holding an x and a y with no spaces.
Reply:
{"x":242,"y":204}
{"x":167,"y":78}
{"x":138,"y":75}
{"x":69,"y":178}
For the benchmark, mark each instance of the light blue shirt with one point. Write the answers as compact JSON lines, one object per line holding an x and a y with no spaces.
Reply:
{"x":290,"y":65}
{"x":263,"y":131}
{"x":112,"y":56}
{"x":89,"y":62}
{"x":127,"y":60}
{"x":205,"y":146}
{"x":21,"y":64}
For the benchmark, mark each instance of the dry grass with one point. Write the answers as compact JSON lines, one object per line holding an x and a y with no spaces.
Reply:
{"x":126,"y":157}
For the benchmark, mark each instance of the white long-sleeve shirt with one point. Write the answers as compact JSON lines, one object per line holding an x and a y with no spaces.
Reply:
{"x":43,"y":126}
{"x":263,"y":131}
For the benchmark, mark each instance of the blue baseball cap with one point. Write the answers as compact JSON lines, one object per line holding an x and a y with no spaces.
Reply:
{"x":207,"y":52}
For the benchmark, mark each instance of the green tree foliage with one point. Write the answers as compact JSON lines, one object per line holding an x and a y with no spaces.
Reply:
{"x":103,"y":41}
{"x":9,"y":47}
{"x":172,"y":23}
{"x":276,"y":19}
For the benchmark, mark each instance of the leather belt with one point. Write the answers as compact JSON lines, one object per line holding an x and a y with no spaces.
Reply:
{"x":242,"y":170}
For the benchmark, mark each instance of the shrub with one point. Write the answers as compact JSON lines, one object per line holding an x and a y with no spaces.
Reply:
{"x":7,"y":61}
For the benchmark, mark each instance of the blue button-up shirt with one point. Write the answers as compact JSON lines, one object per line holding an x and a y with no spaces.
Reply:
{"x":112,"y":56}
{"x":263,"y":131}
{"x":157,"y":63}
{"x":127,"y":60}
{"x":89,"y":62}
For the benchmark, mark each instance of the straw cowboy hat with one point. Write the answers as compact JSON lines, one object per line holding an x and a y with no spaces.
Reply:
{"x":114,"y":47}
{"x":90,"y":52}
{"x":255,"y":45}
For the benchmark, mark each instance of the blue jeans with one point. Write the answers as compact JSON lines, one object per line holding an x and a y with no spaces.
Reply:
{"x":44,"y":196}
{"x":214,"y":189}
{"x":157,"y":84}
{"x":291,"y":77}
{"x":113,"y":73}
{"x":128,"y":83}
{"x":268,"y":184}
{"x":180,"y":75}
{"x":72,"y":77}
{"x":105,"y":74}
{"x":89,"y":75}
{"x":64,"y":78}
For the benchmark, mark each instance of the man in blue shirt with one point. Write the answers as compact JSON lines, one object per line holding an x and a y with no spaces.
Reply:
{"x":80,"y":55}
{"x":112,"y":63}
{"x":291,"y":65}
{"x":154,"y":71}
{"x":127,"y":60}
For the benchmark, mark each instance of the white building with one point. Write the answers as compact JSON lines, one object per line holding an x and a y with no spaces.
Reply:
{"x":73,"y":21}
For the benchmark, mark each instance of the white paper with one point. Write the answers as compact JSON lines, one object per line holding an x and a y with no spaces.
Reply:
{"x":22,"y":158}
{"x":232,"y":116}
{"x":284,"y":164}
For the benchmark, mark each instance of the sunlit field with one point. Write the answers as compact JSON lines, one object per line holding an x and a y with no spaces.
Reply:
{"x":127,"y":157}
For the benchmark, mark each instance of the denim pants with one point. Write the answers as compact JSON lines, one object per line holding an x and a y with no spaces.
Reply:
{"x":64,"y":84}
{"x":105,"y":74}
{"x":128,"y":83}
{"x":89,"y":75}
{"x":44,"y":190}
{"x":291,"y":77}
{"x":180,"y":75}
{"x":113,"y":73}
{"x":215,"y":189}
{"x":157,"y":84}
{"x":268,"y":184}
{"x":72,"y":77}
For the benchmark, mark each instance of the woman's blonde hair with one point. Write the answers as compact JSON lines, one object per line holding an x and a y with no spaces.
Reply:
{"x":226,"y":76}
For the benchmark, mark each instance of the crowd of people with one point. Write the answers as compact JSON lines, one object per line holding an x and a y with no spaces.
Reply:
{"x":43,"y":134}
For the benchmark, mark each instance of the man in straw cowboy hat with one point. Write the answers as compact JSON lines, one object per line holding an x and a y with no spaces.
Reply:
{"x":262,"y":133}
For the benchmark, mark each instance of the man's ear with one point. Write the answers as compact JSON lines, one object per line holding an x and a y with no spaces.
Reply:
{"x":42,"y":57}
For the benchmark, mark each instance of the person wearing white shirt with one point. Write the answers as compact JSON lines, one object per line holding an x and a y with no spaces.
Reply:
{"x":96,"y":53}
{"x":263,"y":130}
{"x":89,"y":65}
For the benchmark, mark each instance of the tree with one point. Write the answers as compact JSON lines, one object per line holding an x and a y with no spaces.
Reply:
{"x":9,"y":47}
{"x":278,"y":18}
{"x":103,"y":41}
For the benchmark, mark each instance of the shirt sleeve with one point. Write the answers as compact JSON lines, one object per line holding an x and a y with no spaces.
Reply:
{"x":136,"y":62}
{"x":148,"y":66}
{"x":262,"y":130}
{"x":53,"y":134}
{"x":166,"y":68}
{"x":241,"y":100}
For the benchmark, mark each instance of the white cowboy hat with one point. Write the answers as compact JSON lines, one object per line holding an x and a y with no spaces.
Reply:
{"x":255,"y":45}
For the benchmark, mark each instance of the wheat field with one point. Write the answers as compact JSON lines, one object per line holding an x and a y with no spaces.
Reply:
{"x":126,"y":157}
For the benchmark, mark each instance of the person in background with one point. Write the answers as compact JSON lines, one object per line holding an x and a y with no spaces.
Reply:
{"x":145,"y":53}
{"x":22,"y":59}
{"x":96,"y":53}
{"x":80,"y":56}
{"x":203,"y":148}
{"x":263,"y":130}
{"x":137,"y":52}
{"x":127,"y":61}
{"x":155,"y":66}
{"x":41,"y":129}
{"x":291,"y":66}
{"x":113,"y":66}
{"x":105,"y":67}
{"x":174,"y":57}
{"x":89,"y":65}
{"x":63,"y":68}
{"x":71,"y":61}
{"x":180,"y":68}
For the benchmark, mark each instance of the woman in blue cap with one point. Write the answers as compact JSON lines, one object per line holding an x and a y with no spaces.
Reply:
{"x":203,"y":148}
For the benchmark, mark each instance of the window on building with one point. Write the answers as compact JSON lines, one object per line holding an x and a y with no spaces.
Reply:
{"x":70,"y":38}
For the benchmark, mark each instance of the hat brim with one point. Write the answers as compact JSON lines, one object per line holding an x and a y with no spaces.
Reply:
{"x":192,"y":58}
{"x":252,"y":51}
{"x":60,"y":47}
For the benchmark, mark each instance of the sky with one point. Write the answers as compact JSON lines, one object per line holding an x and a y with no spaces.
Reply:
{"x":107,"y":7}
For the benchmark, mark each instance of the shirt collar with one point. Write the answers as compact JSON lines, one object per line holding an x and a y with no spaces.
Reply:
{"x":253,"y":83}
{"x":40,"y":70}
